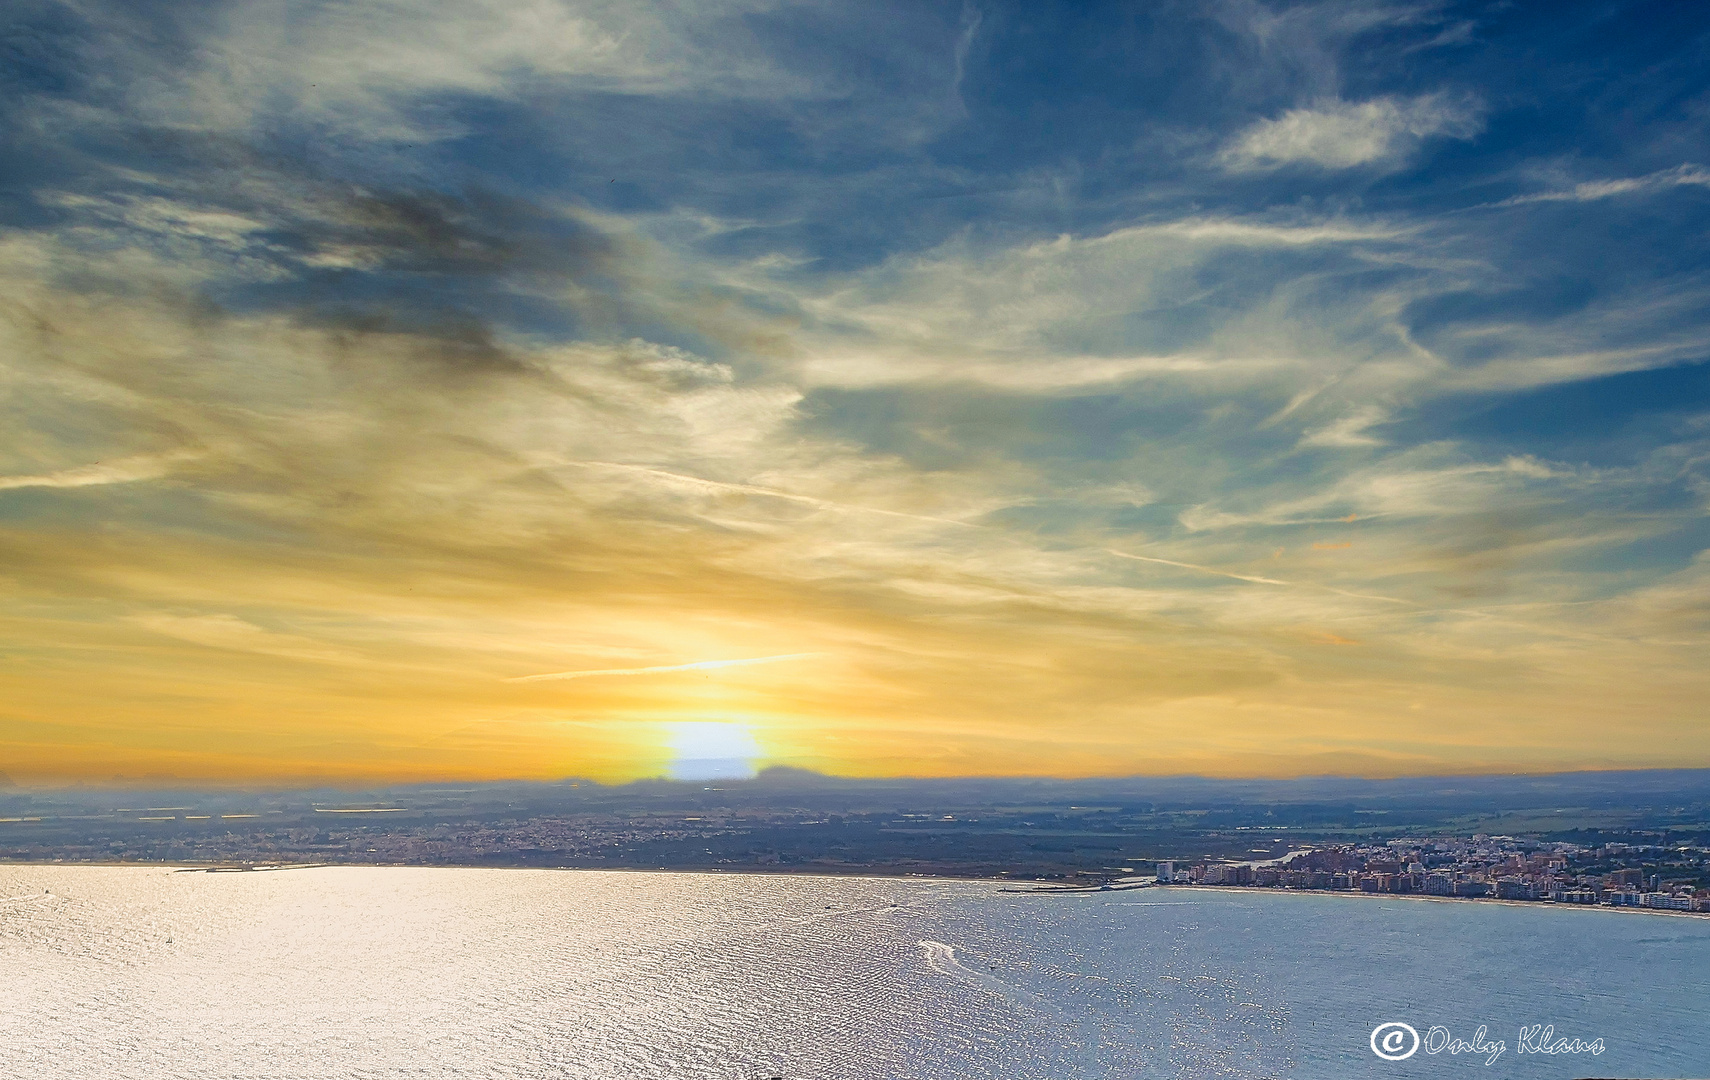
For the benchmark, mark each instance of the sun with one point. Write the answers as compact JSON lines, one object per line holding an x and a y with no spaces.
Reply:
{"x":711,"y":750}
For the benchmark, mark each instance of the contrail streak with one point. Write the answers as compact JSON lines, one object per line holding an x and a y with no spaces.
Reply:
{"x":1256,"y":579}
{"x":764,"y":492}
{"x":1194,"y":566}
{"x":701,"y":665}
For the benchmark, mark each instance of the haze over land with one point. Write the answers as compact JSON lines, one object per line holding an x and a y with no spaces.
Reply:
{"x":462,"y":390}
{"x":794,"y":821}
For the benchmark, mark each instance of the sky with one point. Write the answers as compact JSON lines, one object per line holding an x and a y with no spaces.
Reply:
{"x":465,"y":389}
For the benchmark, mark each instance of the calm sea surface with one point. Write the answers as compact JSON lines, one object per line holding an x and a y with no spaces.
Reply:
{"x":372,"y":972}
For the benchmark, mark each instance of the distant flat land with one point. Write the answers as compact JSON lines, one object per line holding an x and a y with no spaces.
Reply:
{"x":791,"y":820}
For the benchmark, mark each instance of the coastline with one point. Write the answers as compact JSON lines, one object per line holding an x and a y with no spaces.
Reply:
{"x":1242,"y":890}
{"x":1233,"y":890}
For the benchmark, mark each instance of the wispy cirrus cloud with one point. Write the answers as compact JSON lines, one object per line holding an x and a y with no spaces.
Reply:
{"x":127,"y":470}
{"x":1686,"y":175}
{"x":1346,"y":134}
{"x":1351,"y":430}
{"x":225,"y":631}
{"x":664,"y":669}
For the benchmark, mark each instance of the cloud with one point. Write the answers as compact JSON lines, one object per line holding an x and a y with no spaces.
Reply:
{"x":698,"y":484}
{"x":1202,"y":569}
{"x":127,"y":470}
{"x":1254,"y":578}
{"x":1686,"y":175}
{"x":1344,"y":135}
{"x":1021,"y":316}
{"x":1420,"y":483}
{"x":699,"y":665}
{"x":632,"y":499}
{"x":360,"y":69}
{"x":222,"y":631}
{"x":355,"y":253}
{"x":1061,"y":451}
{"x":1351,"y":430}
{"x":378,"y":81}
{"x":454,"y":502}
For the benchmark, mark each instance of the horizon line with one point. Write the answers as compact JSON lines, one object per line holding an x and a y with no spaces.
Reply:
{"x":186,"y":783}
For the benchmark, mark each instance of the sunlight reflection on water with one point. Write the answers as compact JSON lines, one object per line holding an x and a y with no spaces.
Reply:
{"x":371,"y":972}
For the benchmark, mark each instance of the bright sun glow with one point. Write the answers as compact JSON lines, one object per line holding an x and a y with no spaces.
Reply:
{"x":708,"y":750}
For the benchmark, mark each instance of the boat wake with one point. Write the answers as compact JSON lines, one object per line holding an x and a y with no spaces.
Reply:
{"x":941,"y":959}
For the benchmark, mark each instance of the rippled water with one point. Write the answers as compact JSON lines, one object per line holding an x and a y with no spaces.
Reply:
{"x":372,"y":972}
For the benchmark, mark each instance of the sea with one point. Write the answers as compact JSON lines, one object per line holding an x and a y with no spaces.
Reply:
{"x":350,"y":972}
